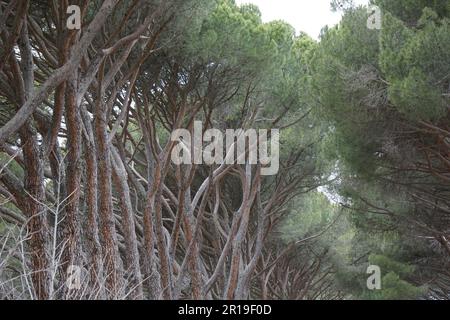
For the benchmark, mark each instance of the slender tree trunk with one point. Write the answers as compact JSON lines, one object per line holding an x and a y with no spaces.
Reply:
{"x":35,"y":211}
{"x":70,"y":221}
{"x":94,"y":250}
{"x":132,"y":264}
{"x":107,"y":220}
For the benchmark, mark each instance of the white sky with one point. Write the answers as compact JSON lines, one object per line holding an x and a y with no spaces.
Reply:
{"x":304,"y":15}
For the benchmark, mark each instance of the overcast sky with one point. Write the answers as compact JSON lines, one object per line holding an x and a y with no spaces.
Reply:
{"x":304,"y":15}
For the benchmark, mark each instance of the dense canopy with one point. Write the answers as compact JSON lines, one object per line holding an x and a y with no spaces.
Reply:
{"x":92,"y":205}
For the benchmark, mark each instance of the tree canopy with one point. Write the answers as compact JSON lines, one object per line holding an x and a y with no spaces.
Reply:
{"x":88,"y":185}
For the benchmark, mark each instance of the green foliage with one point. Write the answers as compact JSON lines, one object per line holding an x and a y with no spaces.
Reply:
{"x":234,"y":35}
{"x":414,"y":61}
{"x":395,"y":288}
{"x":410,"y":11}
{"x":393,"y":283}
{"x":367,"y":84}
{"x":390,"y":265}
{"x":416,"y":98}
{"x":308,"y":215}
